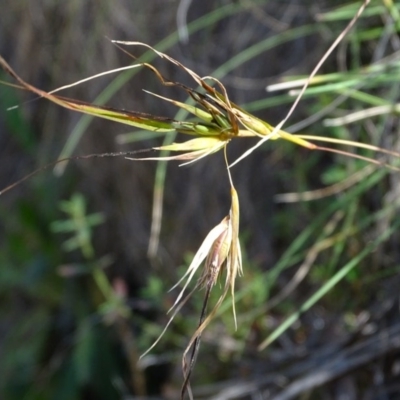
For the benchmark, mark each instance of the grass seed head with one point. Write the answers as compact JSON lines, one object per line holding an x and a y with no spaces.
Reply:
{"x":217,"y":255}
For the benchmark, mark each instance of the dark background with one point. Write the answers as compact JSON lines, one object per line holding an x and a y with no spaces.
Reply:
{"x":59,"y":337}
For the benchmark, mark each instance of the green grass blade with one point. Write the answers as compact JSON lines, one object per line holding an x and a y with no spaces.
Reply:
{"x":328,"y":286}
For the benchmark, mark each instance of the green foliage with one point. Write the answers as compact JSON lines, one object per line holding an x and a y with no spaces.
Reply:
{"x":78,"y":224}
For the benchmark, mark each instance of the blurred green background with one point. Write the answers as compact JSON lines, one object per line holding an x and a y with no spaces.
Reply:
{"x":81,"y":297}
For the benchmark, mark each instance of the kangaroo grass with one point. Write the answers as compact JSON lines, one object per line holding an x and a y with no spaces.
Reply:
{"x":216,"y":121}
{"x":200,"y":23}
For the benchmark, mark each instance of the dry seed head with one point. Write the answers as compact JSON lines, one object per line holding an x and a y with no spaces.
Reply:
{"x":217,"y":255}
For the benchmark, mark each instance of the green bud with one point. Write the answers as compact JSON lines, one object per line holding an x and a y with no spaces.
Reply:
{"x":222,"y":121}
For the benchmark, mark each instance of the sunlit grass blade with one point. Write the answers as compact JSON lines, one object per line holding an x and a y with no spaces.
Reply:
{"x":336,"y":188}
{"x":363,"y":114}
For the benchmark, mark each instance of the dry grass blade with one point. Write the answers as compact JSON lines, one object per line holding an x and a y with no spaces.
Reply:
{"x":75,"y":158}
